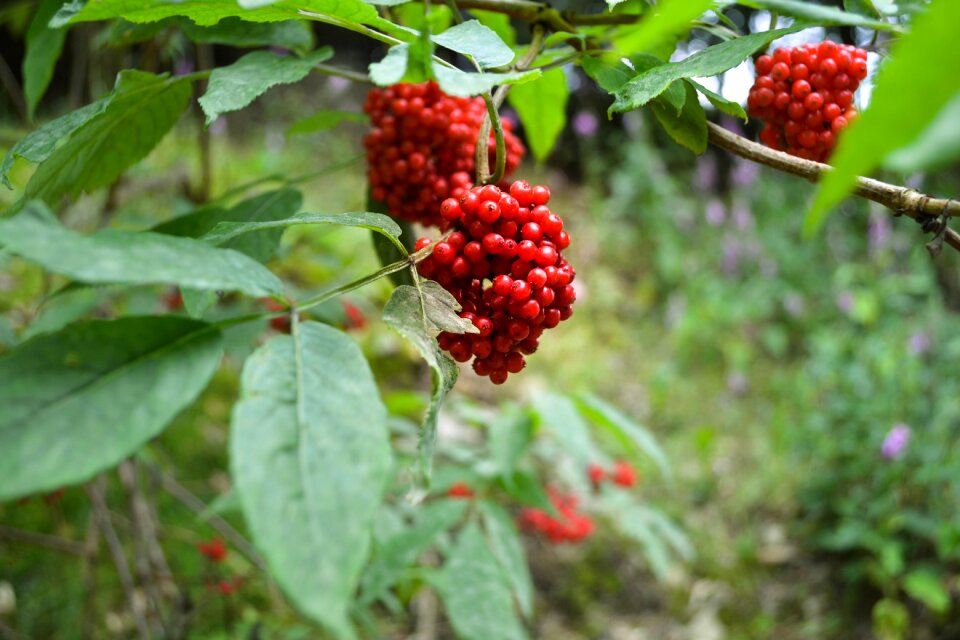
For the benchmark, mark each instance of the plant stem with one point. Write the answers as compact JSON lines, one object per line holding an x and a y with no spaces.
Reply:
{"x":501,"y":151}
{"x":354,"y":76}
{"x":42,"y":540}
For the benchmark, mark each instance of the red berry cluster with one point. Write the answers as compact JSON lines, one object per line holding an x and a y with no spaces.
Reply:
{"x":571,"y":526}
{"x":422,"y":148}
{"x":215,"y":550}
{"x":460,"y":490}
{"x":805,"y":94}
{"x":502,"y":263}
{"x":622,"y":474}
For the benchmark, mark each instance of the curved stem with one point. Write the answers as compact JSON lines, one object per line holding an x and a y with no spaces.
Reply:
{"x":354,"y":76}
{"x":501,"y":154}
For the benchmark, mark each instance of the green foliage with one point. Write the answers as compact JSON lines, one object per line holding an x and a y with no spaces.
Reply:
{"x":79,"y":401}
{"x":662,"y":24}
{"x":322,"y":120}
{"x":689,"y":127}
{"x":235,"y":32}
{"x":234,"y":87}
{"x":44,"y":45}
{"x":542,"y":107}
{"x":479,"y":42}
{"x":822,"y":14}
{"x":508,"y":550}
{"x":309,"y":447}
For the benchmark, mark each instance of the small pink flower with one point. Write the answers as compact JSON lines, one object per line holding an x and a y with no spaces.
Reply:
{"x":895,"y":443}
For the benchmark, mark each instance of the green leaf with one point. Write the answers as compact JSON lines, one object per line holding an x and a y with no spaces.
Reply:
{"x":235,"y":32}
{"x":527,"y":489}
{"x":392,"y":68}
{"x":927,"y":587}
{"x":128,"y":257}
{"x":137,"y":115}
{"x":935,"y":148}
{"x":609,"y":73}
{"x":559,"y":414}
{"x":504,"y":541}
{"x":819,"y":13}
{"x":481,"y":43}
{"x":863,"y":7}
{"x":40,"y":143}
{"x":234,"y":87}
{"x":310,"y":458}
{"x":630,"y":435}
{"x":510,"y":434}
{"x":384,"y":225}
{"x":675,"y":95}
{"x":44,"y":45}
{"x":324,"y":119}
{"x":689,"y":128}
{"x":79,"y":401}
{"x":723,"y":105}
{"x":419,"y":315}
{"x":657,"y":535}
{"x":465,"y":84}
{"x":707,"y":62}
{"x":892,"y":121}
{"x":403,"y":550}
{"x":474,"y":591}
{"x":542,"y":107}
{"x":261,"y":245}
{"x":498,"y":23}
{"x":666,"y":21}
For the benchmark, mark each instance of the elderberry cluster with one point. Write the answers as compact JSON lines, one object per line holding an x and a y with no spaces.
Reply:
{"x":571,"y":526}
{"x":421,"y":149}
{"x":805,"y":95}
{"x":502,"y":263}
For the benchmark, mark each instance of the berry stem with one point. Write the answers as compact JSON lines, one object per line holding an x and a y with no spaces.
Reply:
{"x":353,"y":76}
{"x":901,"y":200}
{"x":399,"y":265}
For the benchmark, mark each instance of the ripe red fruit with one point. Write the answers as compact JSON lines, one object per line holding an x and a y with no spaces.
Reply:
{"x":460,"y":490}
{"x":596,"y":474}
{"x":420,"y":151}
{"x":215,"y":550}
{"x":512,"y":282}
{"x":623,"y":474}
{"x":571,"y":526}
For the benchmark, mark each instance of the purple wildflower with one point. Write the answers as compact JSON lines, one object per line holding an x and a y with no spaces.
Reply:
{"x":896,"y":441}
{"x":585,"y":124}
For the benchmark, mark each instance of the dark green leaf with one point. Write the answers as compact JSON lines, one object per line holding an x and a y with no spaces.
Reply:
{"x":128,"y":257}
{"x":324,"y":119}
{"x":44,"y":45}
{"x":474,"y":591}
{"x":235,"y":32}
{"x":79,"y":401}
{"x":542,"y":107}
{"x":666,"y":21}
{"x":707,"y":62}
{"x":505,"y":543}
{"x":723,"y":105}
{"x":236,"y":86}
{"x":891,"y":121}
{"x":310,"y":458}
{"x":403,"y":550}
{"x":630,"y":435}
{"x":138,"y":114}
{"x":689,"y":128}
{"x":819,"y":13}
{"x":477,"y":41}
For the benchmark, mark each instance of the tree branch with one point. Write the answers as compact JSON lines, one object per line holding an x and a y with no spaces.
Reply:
{"x":902,"y":200}
{"x":42,"y":540}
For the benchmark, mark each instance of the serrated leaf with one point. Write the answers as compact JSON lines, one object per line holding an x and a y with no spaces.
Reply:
{"x":819,"y":13}
{"x":79,"y":401}
{"x":665,"y":21}
{"x":510,"y":434}
{"x":44,"y":45}
{"x":498,"y":23}
{"x":403,"y":550}
{"x":128,"y":257}
{"x":927,"y":587}
{"x":723,"y":105}
{"x":234,"y":87}
{"x":310,"y":458}
{"x":675,"y":95}
{"x":419,"y":315}
{"x":892,"y":121}
{"x":324,"y":119}
{"x":689,"y":128}
{"x":630,"y":435}
{"x":609,"y":73}
{"x":481,"y":43}
{"x":474,"y":591}
{"x":561,"y":419}
{"x":504,"y":541}
{"x":542,"y":108}
{"x":137,"y":115}
{"x":295,"y":35}
{"x":707,"y":62}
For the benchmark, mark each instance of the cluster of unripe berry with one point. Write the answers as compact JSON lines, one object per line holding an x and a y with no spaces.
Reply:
{"x":421,"y":149}
{"x":622,"y":475}
{"x":805,"y":95}
{"x":570,"y":526}
{"x":502,"y":262}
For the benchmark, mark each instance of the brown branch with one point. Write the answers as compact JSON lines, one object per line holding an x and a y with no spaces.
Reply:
{"x":902,"y":200}
{"x":41,"y":540}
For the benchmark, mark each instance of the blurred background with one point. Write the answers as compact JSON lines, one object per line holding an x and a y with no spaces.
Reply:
{"x":806,"y":392}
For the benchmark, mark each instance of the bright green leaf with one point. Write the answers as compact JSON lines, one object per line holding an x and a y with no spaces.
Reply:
{"x":391,"y":69}
{"x":505,"y":543}
{"x":234,"y":87}
{"x":79,"y":401}
{"x":44,"y":45}
{"x":723,"y":105}
{"x":542,"y":107}
{"x":137,"y":115}
{"x":129,"y":257}
{"x":236,"y":32}
{"x":707,"y":62}
{"x":498,"y":23}
{"x":675,"y":95}
{"x":935,"y":148}
{"x":819,"y":13}
{"x":891,"y":121}
{"x":324,"y":119}
{"x":310,"y":458}
{"x":467,"y":83}
{"x":475,"y":592}
{"x":928,"y":588}
{"x":665,"y":21}
{"x":609,"y":73}
{"x":477,"y":41}
{"x":689,"y":128}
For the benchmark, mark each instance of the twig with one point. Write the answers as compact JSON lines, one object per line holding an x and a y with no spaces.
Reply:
{"x":141,"y":516}
{"x":354,"y":76}
{"x":41,"y":540}
{"x":96,"y":491}
{"x":901,"y":200}
{"x":91,"y":549}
